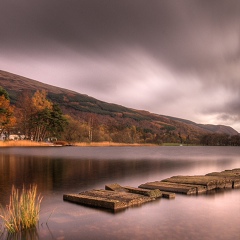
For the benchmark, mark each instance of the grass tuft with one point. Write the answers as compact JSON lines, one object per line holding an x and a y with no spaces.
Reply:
{"x":22,"y":213}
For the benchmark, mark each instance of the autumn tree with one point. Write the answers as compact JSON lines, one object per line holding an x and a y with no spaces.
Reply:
{"x":7,"y":119}
{"x":39,"y":117}
{"x":24,"y":111}
{"x":47,"y":118}
{"x":4,"y":93}
{"x":75,"y":131}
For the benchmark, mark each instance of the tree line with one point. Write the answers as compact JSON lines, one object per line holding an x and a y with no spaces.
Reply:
{"x":35,"y":117}
{"x":217,"y":139}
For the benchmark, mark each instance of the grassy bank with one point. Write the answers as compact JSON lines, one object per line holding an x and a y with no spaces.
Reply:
{"x":22,"y":143}
{"x":26,"y":143}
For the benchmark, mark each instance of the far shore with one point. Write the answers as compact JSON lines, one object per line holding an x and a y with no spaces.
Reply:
{"x":28,"y":143}
{"x":23,"y":143}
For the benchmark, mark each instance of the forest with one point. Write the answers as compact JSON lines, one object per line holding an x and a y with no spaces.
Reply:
{"x":35,"y":117}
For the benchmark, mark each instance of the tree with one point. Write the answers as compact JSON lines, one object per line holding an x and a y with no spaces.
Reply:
{"x":39,"y":118}
{"x":57,"y":121}
{"x":47,"y":118}
{"x":40,"y":101}
{"x":215,"y":139}
{"x":235,"y":140}
{"x":24,"y":111}
{"x":75,"y":131}
{"x":7,"y":119}
{"x":4,"y":93}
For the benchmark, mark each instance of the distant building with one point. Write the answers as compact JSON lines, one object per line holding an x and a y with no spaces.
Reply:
{"x":4,"y":136}
{"x":15,"y":137}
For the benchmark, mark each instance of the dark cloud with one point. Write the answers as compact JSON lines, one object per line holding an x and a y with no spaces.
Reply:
{"x":184,"y":32}
{"x":173,"y":50}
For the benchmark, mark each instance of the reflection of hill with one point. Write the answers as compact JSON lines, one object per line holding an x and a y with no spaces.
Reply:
{"x":58,"y":174}
{"x":80,"y":106}
{"x":73,"y":169}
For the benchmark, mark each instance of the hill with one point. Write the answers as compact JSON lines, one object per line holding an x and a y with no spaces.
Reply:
{"x":83,"y":107}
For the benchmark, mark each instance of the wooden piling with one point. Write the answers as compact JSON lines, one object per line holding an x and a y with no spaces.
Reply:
{"x":155,"y":193}
{"x":203,"y":183}
{"x":233,"y":176}
{"x":170,"y":187}
{"x":116,"y":197}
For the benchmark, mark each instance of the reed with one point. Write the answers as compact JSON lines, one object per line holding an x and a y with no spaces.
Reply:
{"x":22,"y":213}
{"x":23,"y":143}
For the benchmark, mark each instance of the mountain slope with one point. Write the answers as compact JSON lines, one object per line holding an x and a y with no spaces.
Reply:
{"x":81,"y":106}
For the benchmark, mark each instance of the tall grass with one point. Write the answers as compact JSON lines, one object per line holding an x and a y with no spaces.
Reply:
{"x":22,"y":143}
{"x":22,"y":213}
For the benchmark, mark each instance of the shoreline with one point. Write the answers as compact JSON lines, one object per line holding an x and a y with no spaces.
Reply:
{"x":28,"y":143}
{"x":23,"y":143}
{"x":111,"y":144}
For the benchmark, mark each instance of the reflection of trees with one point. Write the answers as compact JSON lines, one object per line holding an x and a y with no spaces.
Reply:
{"x":58,"y":174}
{"x":19,"y":170}
{"x":26,"y":234}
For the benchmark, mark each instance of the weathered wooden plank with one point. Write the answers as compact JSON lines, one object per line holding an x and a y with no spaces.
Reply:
{"x":168,"y":195}
{"x":233,"y":177}
{"x":114,"y":200}
{"x":130,"y":198}
{"x":155,"y":193}
{"x":227,"y":173}
{"x":95,"y":201}
{"x":236,"y":183}
{"x":116,"y":197}
{"x":210,"y":182}
{"x":115,"y":187}
{"x":170,"y":187}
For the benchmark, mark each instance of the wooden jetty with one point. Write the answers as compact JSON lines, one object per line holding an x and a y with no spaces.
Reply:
{"x":172,"y":187}
{"x":233,"y":175}
{"x":189,"y":184}
{"x":197,"y":184}
{"x":116,"y":197}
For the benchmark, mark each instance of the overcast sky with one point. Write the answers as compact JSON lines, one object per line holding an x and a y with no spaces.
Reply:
{"x":173,"y":57}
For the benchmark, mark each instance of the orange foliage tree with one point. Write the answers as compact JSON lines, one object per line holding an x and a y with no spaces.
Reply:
{"x":7,"y":119}
{"x":39,"y":118}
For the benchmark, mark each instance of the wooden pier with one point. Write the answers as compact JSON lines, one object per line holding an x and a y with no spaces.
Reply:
{"x":116,"y":197}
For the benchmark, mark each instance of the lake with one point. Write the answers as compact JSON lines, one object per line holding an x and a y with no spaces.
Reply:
{"x":61,"y":170}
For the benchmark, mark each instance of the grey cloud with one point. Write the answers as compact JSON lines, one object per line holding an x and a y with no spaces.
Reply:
{"x":104,"y":46}
{"x":233,"y":107}
{"x":227,"y":110}
{"x":186,"y":34}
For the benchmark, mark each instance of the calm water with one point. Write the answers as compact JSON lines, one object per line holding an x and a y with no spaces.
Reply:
{"x":60,"y":170}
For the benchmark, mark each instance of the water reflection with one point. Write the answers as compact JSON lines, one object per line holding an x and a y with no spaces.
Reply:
{"x":61,"y":170}
{"x":24,"y":235}
{"x":84,"y":168}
